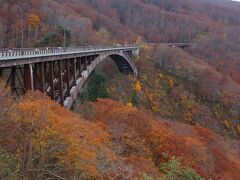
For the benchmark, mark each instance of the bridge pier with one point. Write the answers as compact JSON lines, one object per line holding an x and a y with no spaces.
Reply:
{"x":1,"y":72}
{"x":85,"y":63}
{"x":67,"y":77}
{"x":28,"y":77}
{"x":74,"y":71}
{"x":130,"y":54}
{"x":35,"y":76}
{"x":93,"y":58}
{"x":41,"y":66}
{"x":13,"y":79}
{"x":60,"y":82}
{"x":51,"y":74}
{"x":79,"y":60}
{"x":89,"y":60}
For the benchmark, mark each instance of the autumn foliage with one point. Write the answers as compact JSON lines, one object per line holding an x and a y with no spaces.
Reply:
{"x":114,"y":141}
{"x":102,"y":22}
{"x":139,"y":136}
{"x":33,"y":21}
{"x":51,"y":141}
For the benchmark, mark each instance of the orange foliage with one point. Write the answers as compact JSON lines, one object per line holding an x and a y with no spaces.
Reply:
{"x":50,"y":137}
{"x":117,"y":141}
{"x":138,"y":86}
{"x":238,"y":129}
{"x":33,"y":21}
{"x":138,"y":134}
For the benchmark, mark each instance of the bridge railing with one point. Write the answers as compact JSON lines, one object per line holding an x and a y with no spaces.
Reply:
{"x":4,"y":53}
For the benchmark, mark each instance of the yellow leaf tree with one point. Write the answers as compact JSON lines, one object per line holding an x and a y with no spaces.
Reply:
{"x":138,"y":86}
{"x":33,"y":21}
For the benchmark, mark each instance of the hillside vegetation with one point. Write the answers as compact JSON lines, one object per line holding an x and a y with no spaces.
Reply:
{"x":174,"y":85}
{"x":179,"y":119}
{"x":90,"y":20}
{"x":214,"y":25}
{"x":108,"y":140}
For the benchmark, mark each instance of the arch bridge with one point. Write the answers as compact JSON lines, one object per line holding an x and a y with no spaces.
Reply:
{"x":60,"y":72}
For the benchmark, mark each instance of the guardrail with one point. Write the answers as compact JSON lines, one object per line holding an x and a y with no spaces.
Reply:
{"x":52,"y":50}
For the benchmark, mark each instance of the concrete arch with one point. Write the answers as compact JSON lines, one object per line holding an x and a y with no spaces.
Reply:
{"x":122,"y":60}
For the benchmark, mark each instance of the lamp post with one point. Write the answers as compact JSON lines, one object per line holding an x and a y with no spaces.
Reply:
{"x":64,"y":31}
{"x":19,"y":7}
{"x":64,"y":34}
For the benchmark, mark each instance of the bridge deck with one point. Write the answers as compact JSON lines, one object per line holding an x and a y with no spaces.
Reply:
{"x":24,"y":56}
{"x":13,"y":54}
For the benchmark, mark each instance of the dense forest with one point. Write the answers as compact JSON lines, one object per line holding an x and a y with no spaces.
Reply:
{"x":180,"y":119}
{"x":125,"y":20}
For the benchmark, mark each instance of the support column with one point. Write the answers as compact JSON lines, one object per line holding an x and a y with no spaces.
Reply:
{"x":89,"y":60}
{"x":42,"y":77}
{"x":80,"y":66}
{"x":1,"y":72}
{"x":28,"y":77}
{"x":130,"y":54}
{"x":45,"y":67}
{"x":67,"y":77}
{"x":35,"y":75}
{"x":60,"y":82}
{"x":74,"y":71}
{"x":85,"y":63}
{"x":93,"y":57}
{"x":13,"y":79}
{"x":51,"y":73}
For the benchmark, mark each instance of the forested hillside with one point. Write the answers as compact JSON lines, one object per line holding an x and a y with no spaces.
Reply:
{"x":88,"y":20}
{"x":109,"y":140}
{"x":213,"y":24}
{"x":179,"y":119}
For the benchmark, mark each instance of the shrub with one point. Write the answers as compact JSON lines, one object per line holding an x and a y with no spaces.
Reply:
{"x":144,"y":177}
{"x":96,"y":88}
{"x":57,"y":38}
{"x":174,"y":169}
{"x":9,"y":165}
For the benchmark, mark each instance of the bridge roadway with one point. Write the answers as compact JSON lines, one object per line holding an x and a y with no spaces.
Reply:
{"x":9,"y":57}
{"x":178,"y":45}
{"x":60,"y":72}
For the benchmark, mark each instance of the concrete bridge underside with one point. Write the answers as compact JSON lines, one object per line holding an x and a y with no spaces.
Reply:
{"x":61,"y":76}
